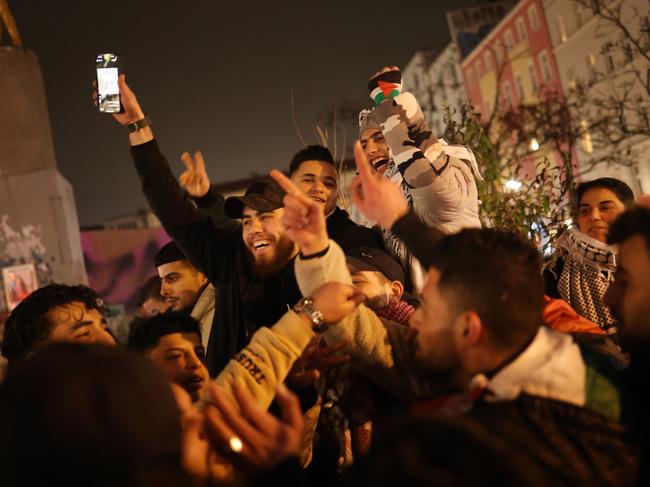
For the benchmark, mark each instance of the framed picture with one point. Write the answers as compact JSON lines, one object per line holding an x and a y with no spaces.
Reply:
{"x":19,"y":282}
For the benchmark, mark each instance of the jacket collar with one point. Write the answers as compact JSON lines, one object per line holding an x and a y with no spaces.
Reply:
{"x":550,"y":367}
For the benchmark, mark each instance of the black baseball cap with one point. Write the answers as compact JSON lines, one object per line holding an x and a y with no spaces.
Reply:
{"x":375,"y":260}
{"x":263,"y":195}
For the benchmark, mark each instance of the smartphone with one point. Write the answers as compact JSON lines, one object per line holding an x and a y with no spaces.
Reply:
{"x":108,"y":91}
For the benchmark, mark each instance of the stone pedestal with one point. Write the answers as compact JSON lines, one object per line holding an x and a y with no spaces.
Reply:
{"x":38,"y":218}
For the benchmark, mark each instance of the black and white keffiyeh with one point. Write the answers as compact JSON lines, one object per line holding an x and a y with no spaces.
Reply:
{"x":588,"y":270}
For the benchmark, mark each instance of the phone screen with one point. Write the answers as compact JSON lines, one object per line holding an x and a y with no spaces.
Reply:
{"x":108,"y":90}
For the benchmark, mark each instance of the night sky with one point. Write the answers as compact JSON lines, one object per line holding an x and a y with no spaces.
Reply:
{"x":212,"y":75}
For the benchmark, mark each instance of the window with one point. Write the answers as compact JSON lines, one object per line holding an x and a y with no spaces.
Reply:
{"x":533,"y":78}
{"x":591,"y":67}
{"x":532,"y":17}
{"x":561,"y":29}
{"x":521,"y":29}
{"x":546,"y":66}
{"x":509,"y":40}
{"x":520,"y":88}
{"x":488,"y":61}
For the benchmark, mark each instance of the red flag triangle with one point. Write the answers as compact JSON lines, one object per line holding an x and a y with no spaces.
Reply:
{"x":386,"y":87}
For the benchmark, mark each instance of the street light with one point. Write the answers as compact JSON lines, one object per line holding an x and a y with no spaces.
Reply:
{"x":513,"y":185}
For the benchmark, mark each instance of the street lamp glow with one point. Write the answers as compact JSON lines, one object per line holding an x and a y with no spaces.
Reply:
{"x":534,"y":145}
{"x":513,"y":185}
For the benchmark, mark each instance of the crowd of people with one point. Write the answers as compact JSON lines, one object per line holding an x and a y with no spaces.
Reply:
{"x":282,"y":342}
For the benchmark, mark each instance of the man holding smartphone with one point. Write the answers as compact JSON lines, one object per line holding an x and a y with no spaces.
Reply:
{"x":251,"y":265}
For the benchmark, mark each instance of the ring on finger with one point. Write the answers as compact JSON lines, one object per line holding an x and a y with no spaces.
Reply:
{"x":235,"y":444}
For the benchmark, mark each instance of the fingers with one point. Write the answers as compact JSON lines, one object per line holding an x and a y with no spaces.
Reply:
{"x":358,"y":297}
{"x":298,"y":203}
{"x":304,"y":379}
{"x":124,"y":88}
{"x":294,"y":219}
{"x":363,"y":166}
{"x":233,"y":419}
{"x":331,"y":361}
{"x":199,"y":163}
{"x":249,"y":406}
{"x":290,"y":407}
{"x":187,"y":160}
{"x":333,"y":348}
{"x":291,"y":189}
{"x":217,"y":427}
{"x":284,"y":182}
{"x":95,"y":95}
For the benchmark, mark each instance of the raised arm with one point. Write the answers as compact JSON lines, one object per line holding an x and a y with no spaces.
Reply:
{"x":382,"y":350}
{"x":442,"y":185}
{"x":206,"y":246}
{"x":209,"y":201}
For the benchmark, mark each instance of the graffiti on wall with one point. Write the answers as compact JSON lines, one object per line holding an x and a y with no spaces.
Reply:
{"x":23,"y":246}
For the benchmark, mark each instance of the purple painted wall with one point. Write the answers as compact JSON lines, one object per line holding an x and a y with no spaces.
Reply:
{"x":118,"y":262}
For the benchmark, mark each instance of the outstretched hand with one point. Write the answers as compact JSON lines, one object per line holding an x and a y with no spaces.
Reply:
{"x":130,"y":106}
{"x":303,"y":219}
{"x":374,"y":195}
{"x":252,"y":437}
{"x":316,"y":360}
{"x":195,"y":178}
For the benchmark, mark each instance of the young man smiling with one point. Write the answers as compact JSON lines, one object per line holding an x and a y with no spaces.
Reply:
{"x":438,"y":180}
{"x":313,"y":171}
{"x":479,"y":332}
{"x":251,"y":266}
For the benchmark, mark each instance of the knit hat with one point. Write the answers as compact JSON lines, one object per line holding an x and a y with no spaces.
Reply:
{"x":367,"y":120}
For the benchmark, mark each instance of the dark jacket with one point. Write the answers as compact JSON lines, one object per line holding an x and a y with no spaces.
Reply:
{"x":244,"y":303}
{"x":573,"y":445}
{"x":349,"y":235}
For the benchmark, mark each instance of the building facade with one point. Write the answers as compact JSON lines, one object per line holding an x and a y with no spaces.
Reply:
{"x":590,"y":52}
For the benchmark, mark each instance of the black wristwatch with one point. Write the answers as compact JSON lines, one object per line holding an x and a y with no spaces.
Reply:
{"x":306,"y":307}
{"x":138,"y":124}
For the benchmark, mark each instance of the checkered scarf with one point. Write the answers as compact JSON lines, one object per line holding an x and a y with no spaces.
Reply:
{"x":397,"y":311}
{"x":589,"y":267}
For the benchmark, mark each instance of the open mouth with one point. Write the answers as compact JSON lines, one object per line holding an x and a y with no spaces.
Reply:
{"x":195,"y":382}
{"x":261,"y":245}
{"x":318,"y":199}
{"x":378,"y":162}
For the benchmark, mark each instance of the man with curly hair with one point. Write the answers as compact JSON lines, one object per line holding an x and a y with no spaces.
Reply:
{"x":55,"y":313}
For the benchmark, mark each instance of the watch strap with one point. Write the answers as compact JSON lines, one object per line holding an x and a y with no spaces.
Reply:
{"x":306,"y":307}
{"x":138,"y":124}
